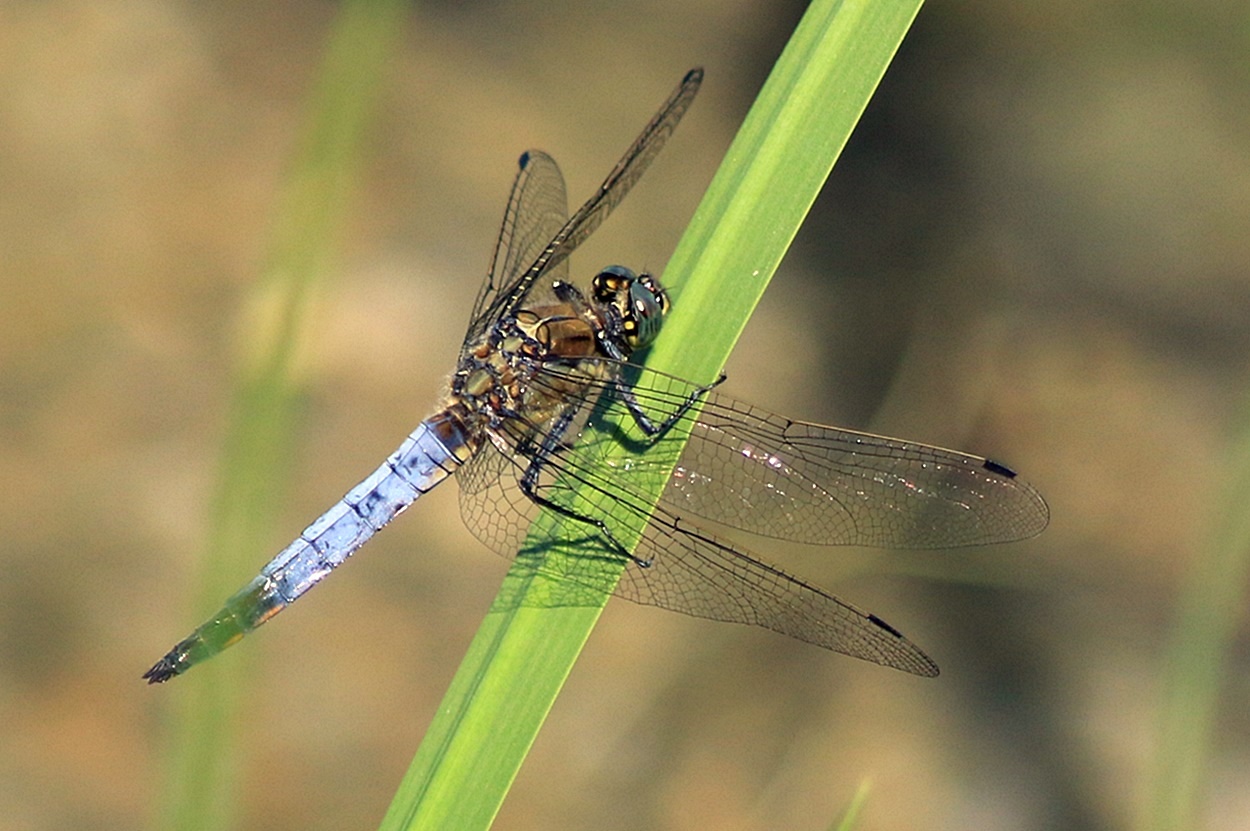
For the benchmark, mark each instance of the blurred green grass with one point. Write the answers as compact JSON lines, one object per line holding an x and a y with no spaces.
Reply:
{"x":202,"y":778}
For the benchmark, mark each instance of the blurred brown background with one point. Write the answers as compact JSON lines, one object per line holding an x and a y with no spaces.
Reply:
{"x":1034,"y":248}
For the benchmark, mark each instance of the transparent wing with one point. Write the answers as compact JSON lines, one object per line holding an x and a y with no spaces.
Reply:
{"x":506,"y":299}
{"x":537,"y":209}
{"x":688,"y":571}
{"x":760,"y":472}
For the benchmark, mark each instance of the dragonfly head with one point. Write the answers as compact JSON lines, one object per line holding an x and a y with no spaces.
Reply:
{"x":639,"y":299}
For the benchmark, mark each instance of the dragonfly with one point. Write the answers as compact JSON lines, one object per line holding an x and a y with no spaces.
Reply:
{"x":543,"y":398}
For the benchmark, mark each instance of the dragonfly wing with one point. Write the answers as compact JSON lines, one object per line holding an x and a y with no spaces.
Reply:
{"x":769,"y":475}
{"x":605,"y":199}
{"x":689,"y":570}
{"x":537,"y":209}
{"x":491,"y":502}
{"x":754,"y":470}
{"x":686,"y":569}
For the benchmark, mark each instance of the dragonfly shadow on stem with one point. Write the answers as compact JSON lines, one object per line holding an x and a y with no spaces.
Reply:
{"x":575,"y":572}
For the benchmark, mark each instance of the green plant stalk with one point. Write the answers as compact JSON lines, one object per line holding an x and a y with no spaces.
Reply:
{"x":202,"y":763}
{"x":851,"y":817}
{"x":1208,"y":613}
{"x":525,"y":649}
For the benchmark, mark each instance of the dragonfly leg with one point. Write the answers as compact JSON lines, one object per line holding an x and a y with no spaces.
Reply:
{"x":645,"y":423}
{"x":531,"y":487}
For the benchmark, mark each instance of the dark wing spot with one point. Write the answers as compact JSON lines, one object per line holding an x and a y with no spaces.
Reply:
{"x":1002,"y":470}
{"x":887,"y":627}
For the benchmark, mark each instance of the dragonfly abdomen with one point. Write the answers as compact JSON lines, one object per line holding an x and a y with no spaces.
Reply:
{"x":430,"y":454}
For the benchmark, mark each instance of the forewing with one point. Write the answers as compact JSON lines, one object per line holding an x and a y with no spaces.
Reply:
{"x":596,"y":209}
{"x":537,"y":210}
{"x":754,"y":470}
{"x":759,"y":472}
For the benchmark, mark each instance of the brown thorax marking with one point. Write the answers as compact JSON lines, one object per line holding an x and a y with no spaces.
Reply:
{"x":495,"y":378}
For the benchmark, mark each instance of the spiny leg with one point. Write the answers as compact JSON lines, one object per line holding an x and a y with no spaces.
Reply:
{"x":655,"y":432}
{"x":542,"y":453}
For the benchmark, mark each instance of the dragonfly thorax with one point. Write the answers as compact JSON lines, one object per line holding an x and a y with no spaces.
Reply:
{"x":622,"y":313}
{"x":495,"y":378}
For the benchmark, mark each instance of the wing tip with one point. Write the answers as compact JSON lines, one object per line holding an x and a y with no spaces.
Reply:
{"x":916,"y":663}
{"x":928,"y":668}
{"x":1041,"y":510}
{"x":531,"y":157}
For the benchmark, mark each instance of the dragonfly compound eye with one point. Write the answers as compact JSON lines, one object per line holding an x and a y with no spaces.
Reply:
{"x":648,"y":303}
{"x":639,"y":299}
{"x":611,"y":284}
